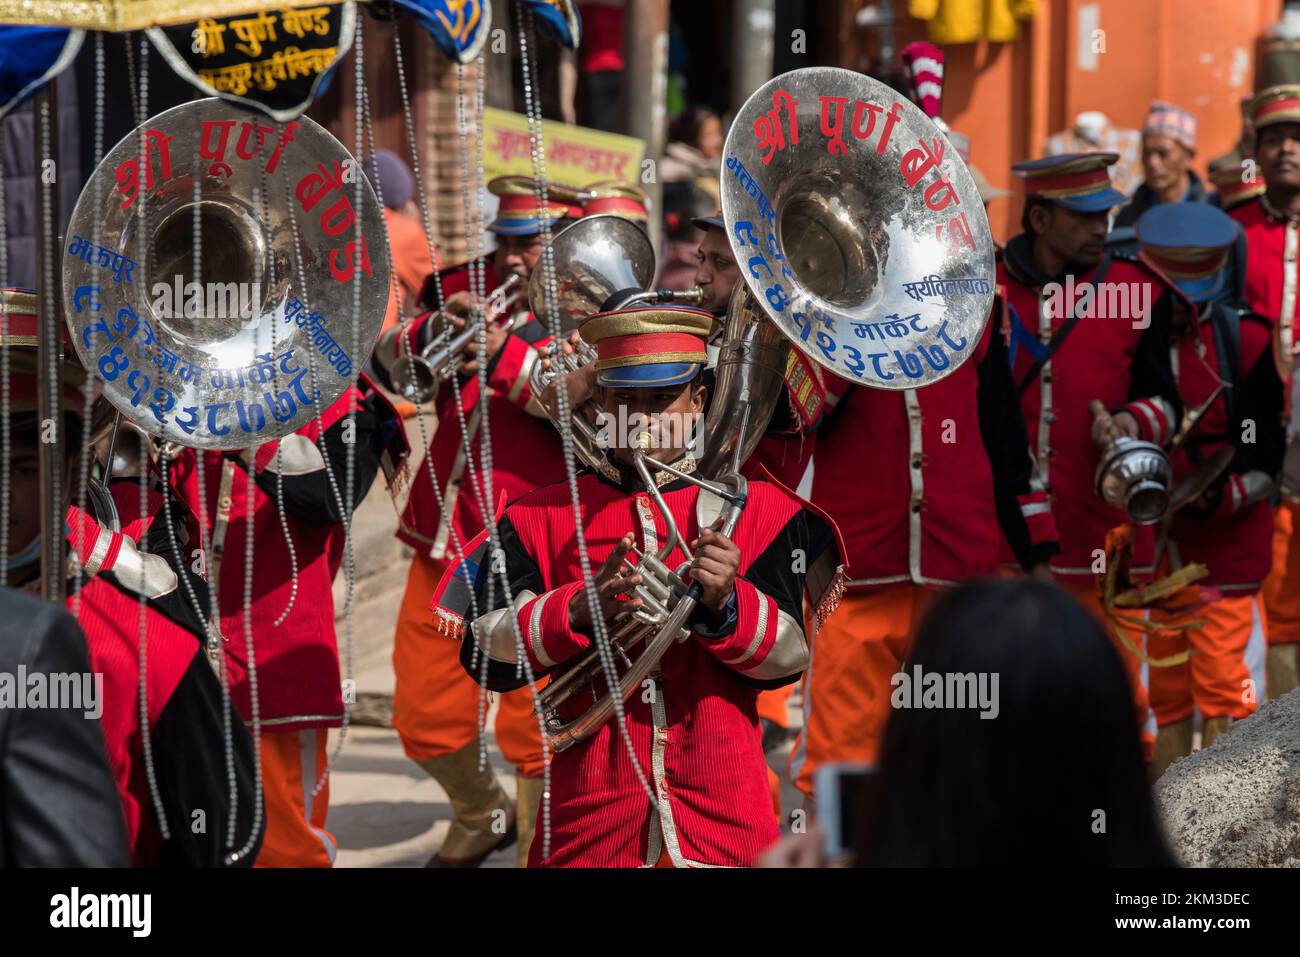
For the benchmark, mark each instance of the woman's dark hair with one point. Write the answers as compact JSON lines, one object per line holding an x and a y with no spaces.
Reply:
{"x":685,"y":127}
{"x":1056,"y":778}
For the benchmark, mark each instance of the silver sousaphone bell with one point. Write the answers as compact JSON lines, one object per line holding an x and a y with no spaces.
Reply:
{"x":290,"y":233}
{"x":858,"y":228}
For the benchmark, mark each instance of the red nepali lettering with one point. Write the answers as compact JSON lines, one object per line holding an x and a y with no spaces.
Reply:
{"x":314,"y":187}
{"x":832,"y":122}
{"x":921,"y":159}
{"x":940,"y":193}
{"x":959,"y":231}
{"x":338,"y":218}
{"x":768,"y":129}
{"x":216,"y":152}
{"x":156,"y":144}
{"x":344,"y":272}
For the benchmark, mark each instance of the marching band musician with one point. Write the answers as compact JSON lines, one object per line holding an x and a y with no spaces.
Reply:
{"x":696,"y":732}
{"x":127,"y":577}
{"x":435,"y":703}
{"x":951,"y":478}
{"x":1071,"y":341}
{"x":1271,"y":221}
{"x":295,"y":646}
{"x":1223,"y":362}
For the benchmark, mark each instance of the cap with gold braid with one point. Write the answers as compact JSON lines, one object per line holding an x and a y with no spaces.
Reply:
{"x":1077,"y":181}
{"x":620,"y":199}
{"x":1232,"y":185}
{"x":650,"y":346}
{"x":519,"y":214}
{"x":19,"y":320}
{"x":1277,"y":104}
{"x":1188,"y":243}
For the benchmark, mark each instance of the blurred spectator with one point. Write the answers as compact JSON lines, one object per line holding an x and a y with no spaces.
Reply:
{"x":694,"y":153}
{"x":600,"y":66}
{"x":1093,"y":133}
{"x":406,"y":239}
{"x":1168,"y":145}
{"x":1057,"y":776}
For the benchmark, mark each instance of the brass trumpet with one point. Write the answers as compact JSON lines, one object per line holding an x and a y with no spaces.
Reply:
{"x":417,"y":377}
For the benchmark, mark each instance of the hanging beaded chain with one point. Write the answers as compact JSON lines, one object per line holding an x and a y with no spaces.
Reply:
{"x":88,"y":385}
{"x":44,"y":121}
{"x":344,"y":505}
{"x":475,"y":222}
{"x":261,"y":203}
{"x":5,"y":450}
{"x":608,"y":666}
{"x":142,"y":116}
{"x":474,"y":228}
{"x":404,"y":343}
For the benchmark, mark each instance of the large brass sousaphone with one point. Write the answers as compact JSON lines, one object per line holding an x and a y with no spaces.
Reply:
{"x":267,"y":337}
{"x":858,"y":228}
{"x":862,"y":242}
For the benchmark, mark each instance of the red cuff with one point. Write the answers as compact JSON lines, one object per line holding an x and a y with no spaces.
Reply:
{"x":1039,"y":520}
{"x":544,"y":626}
{"x":754,"y":636}
{"x":510,"y":370}
{"x":1154,"y":418}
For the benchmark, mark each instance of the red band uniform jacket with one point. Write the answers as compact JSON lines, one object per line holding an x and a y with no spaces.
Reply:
{"x":1106,"y":357}
{"x":186,"y":720}
{"x":1230,"y":529}
{"x":926,"y":484}
{"x":297,"y":659}
{"x":696,"y":737}
{"x":526,"y":451}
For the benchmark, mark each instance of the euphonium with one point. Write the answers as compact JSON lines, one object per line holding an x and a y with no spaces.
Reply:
{"x":417,"y":377}
{"x":660,"y":623}
{"x":863,"y":243}
{"x":274,"y":320}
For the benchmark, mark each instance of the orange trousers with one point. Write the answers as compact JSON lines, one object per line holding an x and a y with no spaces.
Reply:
{"x":1084,"y":591}
{"x":435,"y":703}
{"x":292,"y":762}
{"x":847,"y":687}
{"x":1224,"y":675}
{"x":1281,"y":592}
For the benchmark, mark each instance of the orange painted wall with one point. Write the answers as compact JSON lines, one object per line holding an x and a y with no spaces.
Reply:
{"x":1009,"y":96}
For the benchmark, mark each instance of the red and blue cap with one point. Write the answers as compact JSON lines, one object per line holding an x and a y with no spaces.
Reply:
{"x":520,"y":214}
{"x":648,"y":346}
{"x":1189,"y":243}
{"x":1076,"y":181}
{"x":19,"y":322}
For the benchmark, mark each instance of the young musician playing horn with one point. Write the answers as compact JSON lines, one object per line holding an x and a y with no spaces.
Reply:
{"x":185,"y":720}
{"x":694,"y":724}
{"x":435,"y":705}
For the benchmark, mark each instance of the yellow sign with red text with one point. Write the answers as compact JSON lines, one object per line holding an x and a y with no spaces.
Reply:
{"x":575,"y":156}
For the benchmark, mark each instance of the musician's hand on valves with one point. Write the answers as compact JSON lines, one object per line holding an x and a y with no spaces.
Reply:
{"x":496,"y":338}
{"x":580,"y":385}
{"x":717,"y":560}
{"x":612,"y":580}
